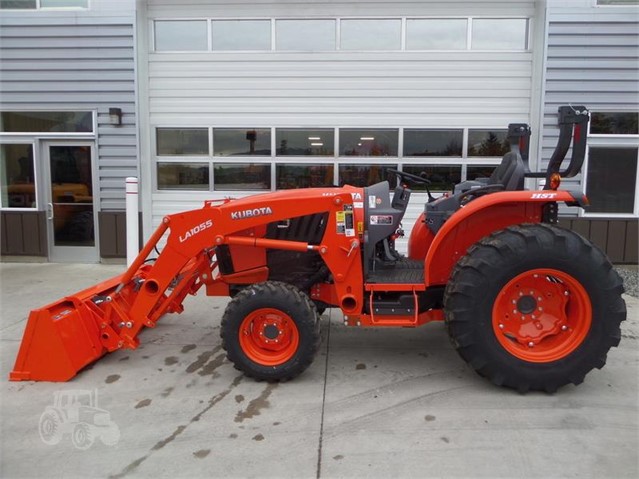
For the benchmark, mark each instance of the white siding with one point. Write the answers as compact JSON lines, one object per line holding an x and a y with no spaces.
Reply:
{"x":592,"y":60}
{"x":82,"y":60}
{"x":333,"y":89}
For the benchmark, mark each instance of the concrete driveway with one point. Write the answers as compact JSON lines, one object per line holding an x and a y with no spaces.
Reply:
{"x":375,"y":403}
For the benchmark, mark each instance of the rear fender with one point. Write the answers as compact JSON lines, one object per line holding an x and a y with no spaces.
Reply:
{"x":480,"y":218}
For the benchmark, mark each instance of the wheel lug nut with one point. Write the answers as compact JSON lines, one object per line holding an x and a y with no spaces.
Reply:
{"x":501,"y":326}
{"x":514,"y":311}
{"x":566,"y":293}
{"x":531,"y":344}
{"x":564,"y":328}
{"x":523,"y":318}
{"x":538,"y":325}
{"x":540,"y":308}
{"x":538,"y":298}
{"x":514,"y":302}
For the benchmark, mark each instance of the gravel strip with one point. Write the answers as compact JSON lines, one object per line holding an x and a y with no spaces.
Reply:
{"x":630,"y":276}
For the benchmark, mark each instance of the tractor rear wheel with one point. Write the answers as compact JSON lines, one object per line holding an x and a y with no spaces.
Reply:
{"x":270,"y":331}
{"x":534,"y":307}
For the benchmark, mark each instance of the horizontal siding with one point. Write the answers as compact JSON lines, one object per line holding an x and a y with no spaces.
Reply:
{"x":592,"y":60}
{"x":78,"y":61}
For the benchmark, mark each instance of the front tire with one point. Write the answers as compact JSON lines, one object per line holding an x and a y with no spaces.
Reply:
{"x":270,"y":331}
{"x":534,"y":307}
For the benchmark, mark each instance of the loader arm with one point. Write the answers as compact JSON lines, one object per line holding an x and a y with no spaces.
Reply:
{"x":63,"y":337}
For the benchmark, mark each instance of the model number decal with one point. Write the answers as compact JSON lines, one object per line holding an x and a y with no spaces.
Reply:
{"x":543,"y":195}
{"x":198,"y":229}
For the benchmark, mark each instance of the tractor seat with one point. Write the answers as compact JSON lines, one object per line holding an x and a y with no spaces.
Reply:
{"x":509,"y":173}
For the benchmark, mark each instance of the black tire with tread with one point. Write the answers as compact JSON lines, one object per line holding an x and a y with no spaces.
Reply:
{"x":286,"y":298}
{"x":488,"y":265}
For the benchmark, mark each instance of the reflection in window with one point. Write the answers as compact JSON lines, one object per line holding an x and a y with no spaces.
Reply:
{"x":368,"y":142}
{"x":488,"y":142}
{"x":305,"y":35}
{"x":365,"y":175}
{"x":241,"y":142}
{"x":303,"y":176}
{"x":181,"y":35}
{"x":46,"y":121}
{"x":242,"y":176}
{"x":611,"y":179}
{"x":370,"y":34}
{"x":477,"y":172}
{"x":241,"y":34}
{"x":442,"y":178}
{"x":183,"y":141}
{"x":499,"y":33}
{"x":436,"y":34}
{"x":302,"y":142}
{"x":17,"y":176}
{"x":433,"y":142}
{"x":183,"y":176}
{"x":614,"y":123}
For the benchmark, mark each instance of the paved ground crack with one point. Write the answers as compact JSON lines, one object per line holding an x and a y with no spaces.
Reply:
{"x":321,"y":434}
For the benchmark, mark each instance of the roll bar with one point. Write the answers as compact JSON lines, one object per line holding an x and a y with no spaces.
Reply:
{"x":573,"y":129}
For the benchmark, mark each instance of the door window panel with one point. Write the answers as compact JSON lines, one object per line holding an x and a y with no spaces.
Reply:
{"x":499,"y":33}
{"x":242,"y":176}
{"x":433,"y":142}
{"x":442,"y":178}
{"x":370,"y":34}
{"x":181,"y":35}
{"x":237,"y":35}
{"x":436,"y":34}
{"x":305,"y":35}
{"x":242,"y":142}
{"x":368,"y":142}
{"x":181,"y":142}
{"x":488,"y":142}
{"x":302,"y":142}
{"x":183,"y":176}
{"x":476,"y":172}
{"x":46,"y":122}
{"x":17,"y":176}
{"x":365,"y":175}
{"x":290,"y":176}
{"x":614,"y":123}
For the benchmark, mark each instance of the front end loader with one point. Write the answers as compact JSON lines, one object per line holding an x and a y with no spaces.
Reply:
{"x":527,"y":304}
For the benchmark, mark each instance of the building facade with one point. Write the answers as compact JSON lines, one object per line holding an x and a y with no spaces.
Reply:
{"x":253,"y":96}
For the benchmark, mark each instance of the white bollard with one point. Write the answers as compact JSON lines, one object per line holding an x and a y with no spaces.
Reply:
{"x":132,"y":226}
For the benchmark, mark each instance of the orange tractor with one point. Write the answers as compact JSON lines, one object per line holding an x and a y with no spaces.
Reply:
{"x":527,"y":304}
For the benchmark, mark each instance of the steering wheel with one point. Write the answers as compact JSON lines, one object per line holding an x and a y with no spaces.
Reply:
{"x":411,"y":177}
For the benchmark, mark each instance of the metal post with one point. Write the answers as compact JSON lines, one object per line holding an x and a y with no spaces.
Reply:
{"x":132,"y":226}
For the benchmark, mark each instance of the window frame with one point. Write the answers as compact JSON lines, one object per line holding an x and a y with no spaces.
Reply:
{"x":55,"y":134}
{"x":610,"y":135}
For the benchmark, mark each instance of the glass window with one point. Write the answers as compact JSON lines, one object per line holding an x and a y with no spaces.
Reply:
{"x":436,"y":34}
{"x":442,"y":178}
{"x":17,"y":176}
{"x":242,"y":176}
{"x":242,"y":142}
{"x":302,"y":142}
{"x":183,"y":176}
{"x":181,"y":35}
{"x":182,"y":141}
{"x":617,"y":2}
{"x":433,"y":142}
{"x":476,"y":172}
{"x":365,"y":175}
{"x":611,"y":179}
{"x":46,"y":122}
{"x":371,"y":34}
{"x":488,"y":142}
{"x":500,"y":34}
{"x":18,"y":4}
{"x":305,"y":35}
{"x":241,"y":34}
{"x":64,"y":3}
{"x":303,"y":176}
{"x":614,"y":123}
{"x":368,"y":142}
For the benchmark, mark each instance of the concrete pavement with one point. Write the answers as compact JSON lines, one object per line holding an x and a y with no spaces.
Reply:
{"x":375,"y":403}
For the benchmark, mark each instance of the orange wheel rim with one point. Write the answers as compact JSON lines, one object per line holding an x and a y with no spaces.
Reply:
{"x":269,"y":337}
{"x":542,"y":315}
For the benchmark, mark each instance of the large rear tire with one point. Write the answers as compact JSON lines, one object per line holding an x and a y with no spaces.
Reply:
{"x":270,"y":331}
{"x":534,"y":307}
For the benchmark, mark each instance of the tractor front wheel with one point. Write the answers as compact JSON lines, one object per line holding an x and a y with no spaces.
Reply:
{"x":534,"y":307}
{"x":270,"y":331}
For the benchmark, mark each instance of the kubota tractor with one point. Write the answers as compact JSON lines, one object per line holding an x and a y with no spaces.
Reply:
{"x":527,"y":304}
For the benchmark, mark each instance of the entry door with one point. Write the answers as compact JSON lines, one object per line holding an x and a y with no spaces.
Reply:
{"x":71,"y":214}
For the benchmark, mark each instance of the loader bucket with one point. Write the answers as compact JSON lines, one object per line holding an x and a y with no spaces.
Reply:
{"x":63,"y":337}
